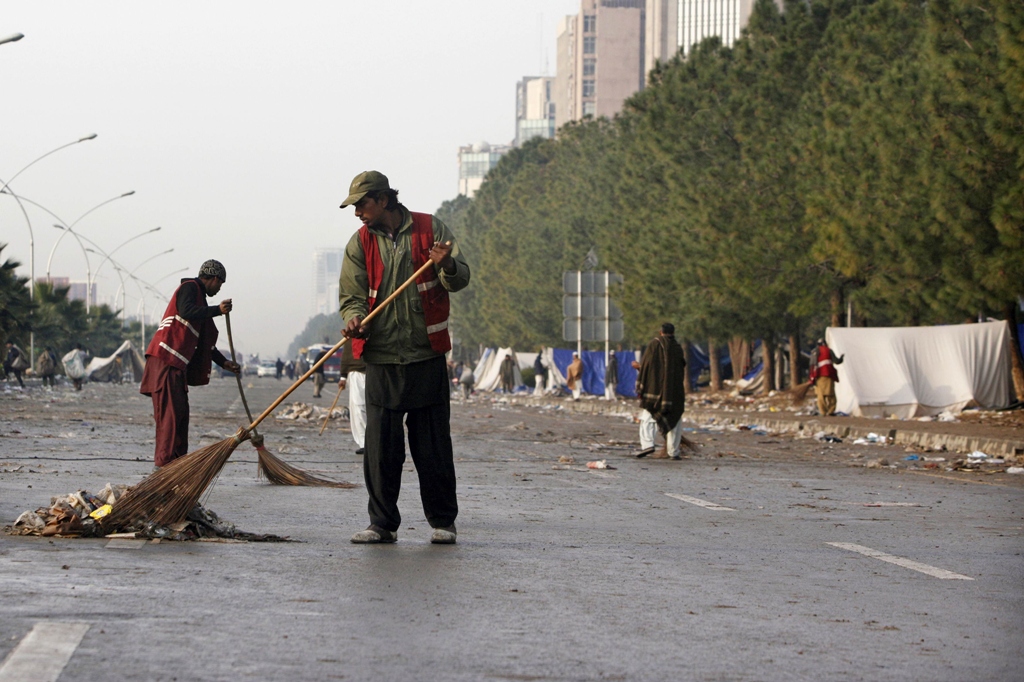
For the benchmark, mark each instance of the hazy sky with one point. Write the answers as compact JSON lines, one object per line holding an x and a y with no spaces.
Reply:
{"x":239,"y":126}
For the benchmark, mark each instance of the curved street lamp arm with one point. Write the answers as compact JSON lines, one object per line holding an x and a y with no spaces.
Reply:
{"x":112,"y":252}
{"x":53,"y":151}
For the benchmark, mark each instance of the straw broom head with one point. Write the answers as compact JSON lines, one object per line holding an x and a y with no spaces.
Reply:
{"x":800,"y":391}
{"x":279,"y":472}
{"x":170,"y":493}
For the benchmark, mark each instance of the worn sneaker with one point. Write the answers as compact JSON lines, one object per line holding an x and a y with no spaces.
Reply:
{"x":374,"y":535}
{"x":443,"y":536}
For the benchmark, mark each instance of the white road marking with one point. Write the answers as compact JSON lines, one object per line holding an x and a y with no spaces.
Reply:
{"x":43,"y":653}
{"x":700,"y":503}
{"x":900,"y":561}
{"x":234,"y":406}
{"x":125,"y":543}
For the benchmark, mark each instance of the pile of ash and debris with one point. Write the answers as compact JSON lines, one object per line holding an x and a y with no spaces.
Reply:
{"x":79,"y":515}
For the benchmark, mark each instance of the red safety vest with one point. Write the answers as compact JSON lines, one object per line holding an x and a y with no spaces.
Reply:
{"x":176,"y":340}
{"x":825,"y":367}
{"x":432,"y":293}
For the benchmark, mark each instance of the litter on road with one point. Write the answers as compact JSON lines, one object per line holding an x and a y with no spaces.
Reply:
{"x":77,"y":515}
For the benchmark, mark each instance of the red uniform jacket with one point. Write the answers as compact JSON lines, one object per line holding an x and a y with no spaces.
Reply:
{"x":436,"y":305}
{"x":184,"y":344}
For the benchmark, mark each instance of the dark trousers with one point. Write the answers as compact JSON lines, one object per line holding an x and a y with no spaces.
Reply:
{"x":430,"y":443}
{"x":170,"y":412}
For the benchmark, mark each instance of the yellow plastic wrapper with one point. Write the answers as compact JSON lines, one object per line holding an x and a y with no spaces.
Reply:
{"x":101,"y":512}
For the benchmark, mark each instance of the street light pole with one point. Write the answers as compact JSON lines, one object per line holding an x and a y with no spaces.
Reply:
{"x":49,"y":260}
{"x":31,"y":236}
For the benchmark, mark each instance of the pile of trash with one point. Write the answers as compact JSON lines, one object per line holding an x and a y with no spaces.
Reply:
{"x":302,"y":412}
{"x":73,"y":515}
{"x":78,"y":514}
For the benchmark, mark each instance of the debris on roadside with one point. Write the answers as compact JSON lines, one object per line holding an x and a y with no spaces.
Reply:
{"x":78,"y":514}
{"x":303,"y":412}
{"x":599,"y":464}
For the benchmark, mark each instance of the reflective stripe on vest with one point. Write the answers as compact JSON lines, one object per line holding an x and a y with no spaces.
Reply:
{"x":176,"y":340}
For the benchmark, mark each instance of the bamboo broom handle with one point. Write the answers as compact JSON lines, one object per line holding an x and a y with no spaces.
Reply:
{"x":337,"y":346}
{"x":238,"y":377}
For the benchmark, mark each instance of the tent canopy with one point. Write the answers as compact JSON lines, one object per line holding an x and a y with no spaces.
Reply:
{"x":116,"y":366}
{"x":920,"y":371}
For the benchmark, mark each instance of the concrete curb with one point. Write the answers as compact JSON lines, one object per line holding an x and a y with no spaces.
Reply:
{"x":891,"y":430}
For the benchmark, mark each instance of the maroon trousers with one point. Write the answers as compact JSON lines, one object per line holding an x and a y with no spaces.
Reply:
{"x":166,"y":385}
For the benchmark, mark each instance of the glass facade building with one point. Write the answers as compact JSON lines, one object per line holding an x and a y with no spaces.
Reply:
{"x":475,"y":162}
{"x":535,"y":110}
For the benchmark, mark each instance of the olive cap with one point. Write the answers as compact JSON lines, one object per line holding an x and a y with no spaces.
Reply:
{"x":367,"y":181}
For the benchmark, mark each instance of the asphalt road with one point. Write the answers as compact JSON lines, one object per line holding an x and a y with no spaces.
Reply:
{"x":760,"y":558}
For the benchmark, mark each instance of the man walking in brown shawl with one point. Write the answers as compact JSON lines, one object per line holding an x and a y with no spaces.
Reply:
{"x":661,"y":387}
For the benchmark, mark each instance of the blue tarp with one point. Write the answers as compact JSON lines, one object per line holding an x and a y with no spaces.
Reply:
{"x":593,"y":370}
{"x":700,"y":362}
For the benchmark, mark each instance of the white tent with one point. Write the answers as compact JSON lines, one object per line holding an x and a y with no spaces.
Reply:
{"x":917,"y":371}
{"x":488,"y":369}
{"x":125,"y":362}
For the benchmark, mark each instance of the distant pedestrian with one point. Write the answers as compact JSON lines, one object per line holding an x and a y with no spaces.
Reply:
{"x":279,"y":368}
{"x":289,"y":370}
{"x":74,"y":365}
{"x":16,"y":362}
{"x":611,"y":376}
{"x":661,"y":387}
{"x":540,"y":375}
{"x":824,"y":377}
{"x":467,"y":380}
{"x":318,"y":375}
{"x":508,"y":374}
{"x":46,"y":366}
{"x":574,"y":376}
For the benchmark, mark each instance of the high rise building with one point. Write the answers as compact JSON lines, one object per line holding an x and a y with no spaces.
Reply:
{"x":326,"y":271}
{"x":475,"y":161}
{"x":535,"y":110}
{"x":600,"y":61}
{"x":78,"y":289}
{"x":675,"y":24}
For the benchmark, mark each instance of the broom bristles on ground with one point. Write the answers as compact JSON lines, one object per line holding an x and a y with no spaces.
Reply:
{"x":169,"y":494}
{"x":800,"y":392}
{"x":687,"y":444}
{"x":279,"y":472}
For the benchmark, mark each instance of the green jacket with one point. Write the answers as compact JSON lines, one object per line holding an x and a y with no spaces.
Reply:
{"x":398,"y":335}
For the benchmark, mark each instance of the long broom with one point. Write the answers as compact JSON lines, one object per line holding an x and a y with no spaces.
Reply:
{"x":800,"y":391}
{"x":170,"y":493}
{"x":274,"y":469}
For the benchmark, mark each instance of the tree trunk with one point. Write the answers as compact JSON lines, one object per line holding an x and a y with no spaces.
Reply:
{"x":1016,"y":361}
{"x":768,"y":369}
{"x":716,"y":367}
{"x":739,"y":353}
{"x":836,"y":301}
{"x":794,"y":359}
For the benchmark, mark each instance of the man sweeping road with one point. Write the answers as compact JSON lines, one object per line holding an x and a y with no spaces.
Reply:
{"x":404,"y":351}
{"x":180,"y":355}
